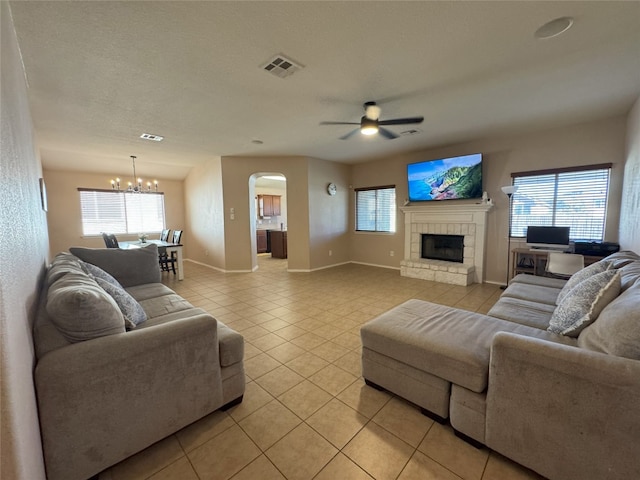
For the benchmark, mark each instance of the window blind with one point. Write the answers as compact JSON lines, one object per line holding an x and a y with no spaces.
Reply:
{"x":376,"y":209}
{"x":575,"y":198}
{"x":121,"y":212}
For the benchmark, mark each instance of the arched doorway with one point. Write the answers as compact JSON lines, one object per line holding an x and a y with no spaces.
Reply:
{"x":269,"y":219}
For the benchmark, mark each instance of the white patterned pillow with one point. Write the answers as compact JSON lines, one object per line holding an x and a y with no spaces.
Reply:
{"x":132,"y":311}
{"x":97,"y":272}
{"x":580,"y":276}
{"x":582,"y":305}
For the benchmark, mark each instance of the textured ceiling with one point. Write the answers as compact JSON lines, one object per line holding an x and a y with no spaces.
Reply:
{"x":102,"y":73}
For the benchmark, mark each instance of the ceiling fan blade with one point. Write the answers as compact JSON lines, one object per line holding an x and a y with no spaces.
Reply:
{"x":387,"y":133}
{"x":402,"y":121}
{"x":339,"y":123}
{"x":350,"y":134}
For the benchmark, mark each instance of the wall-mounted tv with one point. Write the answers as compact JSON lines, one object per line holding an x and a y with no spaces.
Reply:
{"x":452,"y":178}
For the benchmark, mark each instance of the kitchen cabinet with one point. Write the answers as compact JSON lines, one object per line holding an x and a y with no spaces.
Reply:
{"x":278,"y":244}
{"x":261,"y":241}
{"x":269,"y":205}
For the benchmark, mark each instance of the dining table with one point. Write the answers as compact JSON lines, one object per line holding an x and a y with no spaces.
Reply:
{"x":170,"y":248}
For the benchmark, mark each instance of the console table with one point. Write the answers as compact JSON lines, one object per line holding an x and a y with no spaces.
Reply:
{"x":525,"y":260}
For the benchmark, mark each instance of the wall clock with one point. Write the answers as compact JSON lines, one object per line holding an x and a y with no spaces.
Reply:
{"x":332,"y":189}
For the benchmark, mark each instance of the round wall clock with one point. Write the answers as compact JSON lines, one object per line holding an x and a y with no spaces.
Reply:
{"x":332,"y":189}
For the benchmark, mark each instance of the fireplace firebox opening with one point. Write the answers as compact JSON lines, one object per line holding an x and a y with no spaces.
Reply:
{"x":443,"y":247}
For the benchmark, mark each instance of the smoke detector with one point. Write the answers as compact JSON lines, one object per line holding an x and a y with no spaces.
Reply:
{"x":281,"y":66}
{"x":149,"y":136}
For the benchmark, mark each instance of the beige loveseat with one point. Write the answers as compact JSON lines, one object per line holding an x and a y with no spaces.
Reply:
{"x":115,"y":374}
{"x":566,"y":404}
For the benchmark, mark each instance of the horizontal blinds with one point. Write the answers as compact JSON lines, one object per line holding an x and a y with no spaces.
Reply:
{"x":376,"y":209}
{"x":576,"y":199}
{"x":121,"y":212}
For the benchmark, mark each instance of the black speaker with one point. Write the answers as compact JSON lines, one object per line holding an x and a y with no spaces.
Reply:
{"x":598,"y":249}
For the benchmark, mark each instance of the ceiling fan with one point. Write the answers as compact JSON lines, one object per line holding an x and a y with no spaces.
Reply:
{"x":370,"y":123}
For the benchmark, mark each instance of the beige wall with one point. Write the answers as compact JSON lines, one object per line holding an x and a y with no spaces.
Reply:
{"x":590,"y":143}
{"x":629,"y":215}
{"x":65,"y":220}
{"x":23,"y":250}
{"x":204,"y":213}
{"x":328,"y":214}
{"x":238,"y":175}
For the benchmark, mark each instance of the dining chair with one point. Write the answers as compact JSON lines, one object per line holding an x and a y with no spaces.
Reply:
{"x":563,"y":265}
{"x":170,"y":260}
{"x":110,"y":240}
{"x":164,"y":236}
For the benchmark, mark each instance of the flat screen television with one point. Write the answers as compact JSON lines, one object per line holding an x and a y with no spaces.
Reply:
{"x":548,"y":238}
{"x":452,"y":178}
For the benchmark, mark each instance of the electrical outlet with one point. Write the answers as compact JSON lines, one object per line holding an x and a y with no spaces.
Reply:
{"x":206,"y":253}
{"x":330,"y":252}
{"x":391,"y":253}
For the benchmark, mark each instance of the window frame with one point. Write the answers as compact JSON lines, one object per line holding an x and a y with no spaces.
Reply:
{"x":392,"y":211}
{"x":557,"y":172}
{"x":126,"y":220}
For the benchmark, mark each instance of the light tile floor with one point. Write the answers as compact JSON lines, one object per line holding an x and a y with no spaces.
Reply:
{"x":307,"y":413}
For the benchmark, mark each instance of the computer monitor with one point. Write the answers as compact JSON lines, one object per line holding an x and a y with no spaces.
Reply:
{"x":548,"y":238}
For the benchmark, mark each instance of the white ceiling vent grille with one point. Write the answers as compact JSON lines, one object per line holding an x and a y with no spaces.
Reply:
{"x":149,"y":136}
{"x":281,"y":66}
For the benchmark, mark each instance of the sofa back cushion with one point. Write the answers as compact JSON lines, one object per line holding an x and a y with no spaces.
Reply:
{"x":81,"y":309}
{"x":129,"y":267}
{"x":617,"y":330}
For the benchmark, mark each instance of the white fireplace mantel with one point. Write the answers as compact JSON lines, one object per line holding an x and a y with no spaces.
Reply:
{"x":449,"y":218}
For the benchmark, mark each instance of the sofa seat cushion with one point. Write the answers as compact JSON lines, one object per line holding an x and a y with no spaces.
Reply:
{"x":533,"y":293}
{"x":447,"y":342}
{"x":524,"y":312}
{"x":230,"y":342}
{"x":81,"y":309}
{"x":149,"y":290}
{"x":617,"y":329}
{"x":538,"y":280}
{"x":165,"y":304}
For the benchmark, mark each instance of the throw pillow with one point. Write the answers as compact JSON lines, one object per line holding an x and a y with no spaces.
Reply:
{"x":132,"y":311}
{"x":97,"y":272}
{"x":62,"y":264}
{"x":582,"y":305}
{"x":580,"y":276}
{"x":81,"y":310}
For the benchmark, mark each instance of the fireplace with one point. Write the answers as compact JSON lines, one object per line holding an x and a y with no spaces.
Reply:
{"x":449,"y":248}
{"x":466,"y":220}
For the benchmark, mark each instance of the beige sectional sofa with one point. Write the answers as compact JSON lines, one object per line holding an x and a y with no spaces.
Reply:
{"x":116,"y":372}
{"x":549,"y":378}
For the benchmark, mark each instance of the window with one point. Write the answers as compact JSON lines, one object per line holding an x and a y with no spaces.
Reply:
{"x":568,"y":197}
{"x":376,"y":209}
{"x":121,"y":212}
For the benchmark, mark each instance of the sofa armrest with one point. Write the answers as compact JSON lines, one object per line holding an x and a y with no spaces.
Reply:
{"x":565,"y":412}
{"x":107,"y":398}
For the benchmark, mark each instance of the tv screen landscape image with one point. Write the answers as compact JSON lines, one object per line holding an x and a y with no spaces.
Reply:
{"x":452,"y":178}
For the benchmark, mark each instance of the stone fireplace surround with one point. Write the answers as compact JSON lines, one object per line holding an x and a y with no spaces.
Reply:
{"x":449,"y":218}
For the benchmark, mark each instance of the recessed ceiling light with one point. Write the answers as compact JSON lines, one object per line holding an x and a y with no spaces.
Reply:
{"x":554,"y":28}
{"x":150,"y":136}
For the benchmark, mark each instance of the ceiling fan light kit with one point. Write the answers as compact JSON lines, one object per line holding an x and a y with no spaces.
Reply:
{"x":371,"y":125}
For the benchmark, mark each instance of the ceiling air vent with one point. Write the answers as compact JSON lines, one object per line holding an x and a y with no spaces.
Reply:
{"x":281,"y":66}
{"x":149,"y":136}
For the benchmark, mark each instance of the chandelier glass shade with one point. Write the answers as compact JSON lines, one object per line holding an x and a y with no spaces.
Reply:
{"x":137,"y":185}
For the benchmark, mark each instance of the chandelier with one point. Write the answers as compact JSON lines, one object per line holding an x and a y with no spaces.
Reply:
{"x":136,"y":185}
